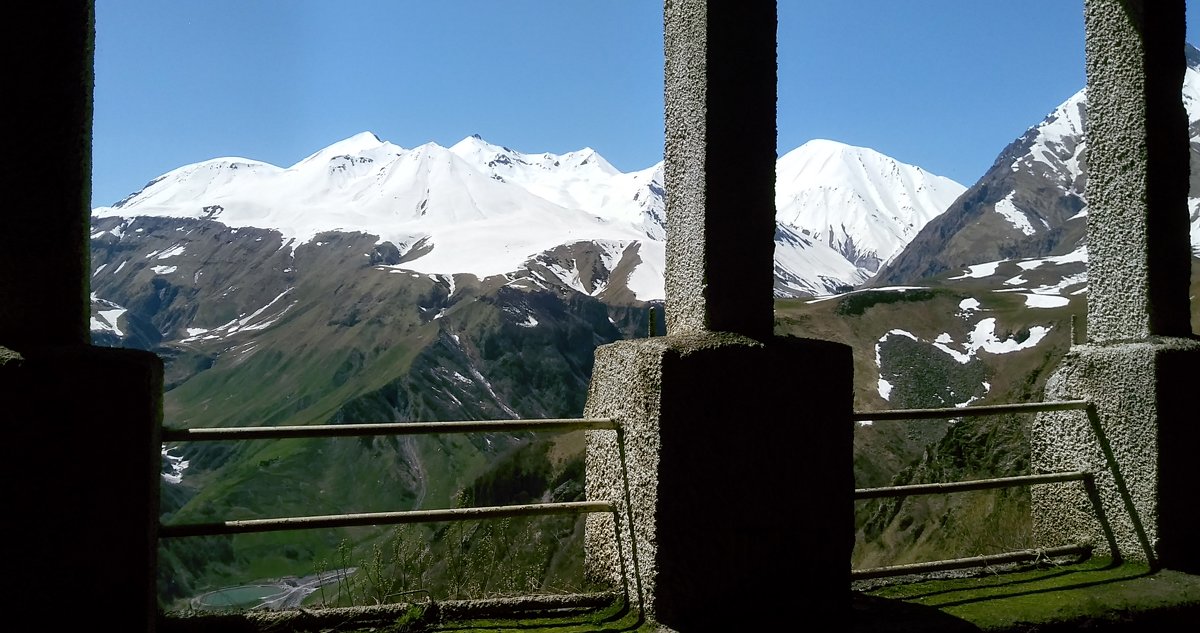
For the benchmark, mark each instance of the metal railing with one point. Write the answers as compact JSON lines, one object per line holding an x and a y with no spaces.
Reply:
{"x":976,"y":411}
{"x":389,"y":428}
{"x":381,"y":518}
{"x":247,"y":526}
{"x":1086,"y":478}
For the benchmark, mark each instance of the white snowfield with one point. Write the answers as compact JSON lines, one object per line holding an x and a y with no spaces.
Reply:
{"x":486,"y":210}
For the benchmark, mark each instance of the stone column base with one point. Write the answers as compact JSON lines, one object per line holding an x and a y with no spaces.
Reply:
{"x":1141,"y":443}
{"x":81,"y":467}
{"x":739,"y":461}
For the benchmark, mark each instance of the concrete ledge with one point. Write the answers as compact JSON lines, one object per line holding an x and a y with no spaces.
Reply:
{"x":1094,"y":595}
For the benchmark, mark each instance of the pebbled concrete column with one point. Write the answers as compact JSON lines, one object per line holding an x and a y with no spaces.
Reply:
{"x":1138,"y":366}
{"x":80,"y":459}
{"x":1139,"y":254}
{"x":48,"y":176}
{"x":727,"y":430}
{"x":720,"y":165}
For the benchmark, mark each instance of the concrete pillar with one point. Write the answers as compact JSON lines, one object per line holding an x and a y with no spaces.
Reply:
{"x":720,"y":166}
{"x":1138,"y":367}
{"x":1139,"y":254}
{"x":48,"y":175}
{"x":80,"y":456}
{"x":726,"y":429}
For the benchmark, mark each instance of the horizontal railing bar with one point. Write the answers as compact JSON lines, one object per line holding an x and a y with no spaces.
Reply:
{"x":390,"y":428}
{"x":381,"y":518}
{"x":974,"y":561}
{"x":962,"y":486}
{"x":962,"y":412}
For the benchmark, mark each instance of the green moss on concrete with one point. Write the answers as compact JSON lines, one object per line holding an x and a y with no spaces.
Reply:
{"x":1093,"y":593}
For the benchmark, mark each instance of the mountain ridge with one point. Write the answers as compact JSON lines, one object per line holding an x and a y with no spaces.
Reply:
{"x":1031,"y":202}
{"x":486,"y":209}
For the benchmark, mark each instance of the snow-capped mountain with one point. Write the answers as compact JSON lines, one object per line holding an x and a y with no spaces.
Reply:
{"x":484,"y":209}
{"x":857,"y":201}
{"x":1031,"y":203}
{"x":577,"y":180}
{"x":445,"y":215}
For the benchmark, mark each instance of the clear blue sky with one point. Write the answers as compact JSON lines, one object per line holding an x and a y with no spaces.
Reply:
{"x":944,"y":84}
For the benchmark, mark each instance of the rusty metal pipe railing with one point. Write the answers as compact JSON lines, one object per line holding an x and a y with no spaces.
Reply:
{"x":381,"y":518}
{"x":974,"y":561}
{"x":975,"y":484}
{"x":390,"y":428}
{"x":962,"y":412}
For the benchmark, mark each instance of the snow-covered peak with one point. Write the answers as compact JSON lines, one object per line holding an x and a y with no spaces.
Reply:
{"x":581,"y":179}
{"x":185,"y":185}
{"x":861,"y":203}
{"x":357,"y":144}
{"x":502,"y":161}
{"x":1057,"y":145}
{"x":475,"y":145}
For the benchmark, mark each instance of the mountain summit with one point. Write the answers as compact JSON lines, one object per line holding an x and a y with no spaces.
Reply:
{"x":1031,"y":202}
{"x":860,"y":203}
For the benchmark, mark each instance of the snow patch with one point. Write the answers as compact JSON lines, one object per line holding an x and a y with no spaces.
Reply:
{"x":861,"y":290}
{"x":164,"y":270}
{"x":171,"y":252}
{"x":487,"y":385}
{"x":246,"y":323}
{"x":1078,"y":255}
{"x":885,"y":389}
{"x":107,"y":321}
{"x":1033,"y":300}
{"x":983,"y":337}
{"x":979,"y":271}
{"x":174,"y":466}
{"x":1015,"y":216}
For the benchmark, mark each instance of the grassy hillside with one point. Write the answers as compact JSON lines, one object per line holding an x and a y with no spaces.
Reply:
{"x":897,"y":453}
